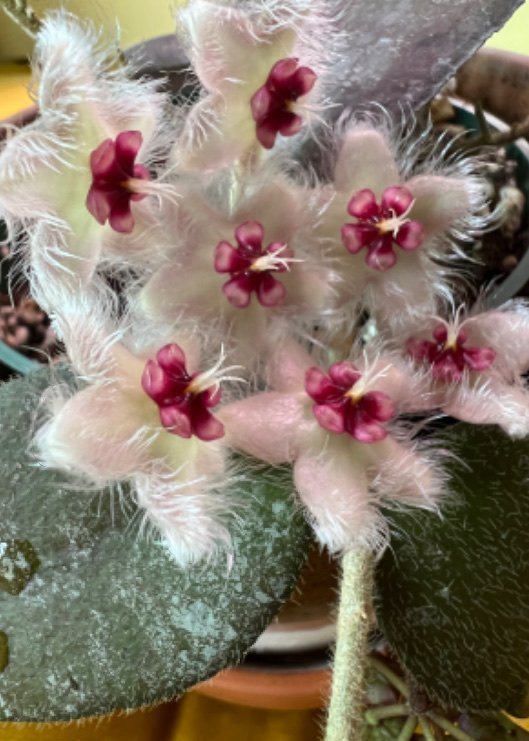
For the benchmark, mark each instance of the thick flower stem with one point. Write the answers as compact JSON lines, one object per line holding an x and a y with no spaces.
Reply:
{"x":345,"y":708}
{"x":22,"y":14}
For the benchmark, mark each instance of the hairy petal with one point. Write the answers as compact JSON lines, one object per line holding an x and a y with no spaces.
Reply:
{"x":491,"y":402}
{"x":365,"y":161}
{"x":269,"y":426}
{"x":332,"y":481}
{"x":95,"y":433}
{"x":440,"y":201}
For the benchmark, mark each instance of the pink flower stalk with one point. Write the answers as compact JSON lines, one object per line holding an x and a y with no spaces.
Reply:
{"x":380,"y":226}
{"x":342,"y":406}
{"x":251,"y":267}
{"x":193,"y":283}
{"x":449,"y":356}
{"x":184,"y":400}
{"x":116,"y":181}
{"x":390,"y":212}
{"x":344,"y":459}
{"x":477,"y":366}
{"x":259,"y":66}
{"x":273,"y":104}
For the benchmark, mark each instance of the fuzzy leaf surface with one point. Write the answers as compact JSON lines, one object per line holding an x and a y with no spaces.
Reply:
{"x":402,"y":51}
{"x":453,"y":592}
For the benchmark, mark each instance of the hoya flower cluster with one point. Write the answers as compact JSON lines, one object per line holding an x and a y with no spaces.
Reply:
{"x":265,"y":304}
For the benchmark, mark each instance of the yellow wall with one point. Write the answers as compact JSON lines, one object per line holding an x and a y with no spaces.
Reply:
{"x":515,"y":34}
{"x":142,"y":19}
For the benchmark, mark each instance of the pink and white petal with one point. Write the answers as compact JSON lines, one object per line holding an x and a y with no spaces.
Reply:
{"x":404,"y":474}
{"x":96,"y":433}
{"x":173,"y":290}
{"x":365,"y":160}
{"x":331,"y":479}
{"x":491,"y":402}
{"x":440,"y":201}
{"x":186,"y":512}
{"x":268,"y":426}
{"x":308,"y":287}
{"x":217,"y":132}
{"x":287,"y":365}
{"x":279,"y":206}
{"x":228,"y":44}
{"x":406,"y":387}
{"x":505,"y":330}
{"x":407,"y":290}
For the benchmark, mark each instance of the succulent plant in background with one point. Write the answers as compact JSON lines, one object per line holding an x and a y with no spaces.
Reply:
{"x":259,"y":292}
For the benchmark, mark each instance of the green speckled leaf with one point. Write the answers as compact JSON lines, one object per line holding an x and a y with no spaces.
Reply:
{"x":106,"y":619}
{"x":453,"y":592}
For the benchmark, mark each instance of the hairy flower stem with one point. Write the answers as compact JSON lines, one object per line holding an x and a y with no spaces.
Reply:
{"x":345,"y":707}
{"x":22,"y":14}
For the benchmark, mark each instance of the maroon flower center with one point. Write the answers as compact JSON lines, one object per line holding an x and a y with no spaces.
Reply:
{"x":448,"y":354}
{"x":344,"y":405}
{"x":380,"y":226}
{"x":272,"y":105}
{"x":184,"y":400}
{"x":116,"y":181}
{"x":251,"y":267}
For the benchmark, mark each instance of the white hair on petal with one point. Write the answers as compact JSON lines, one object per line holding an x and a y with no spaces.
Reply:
{"x":76,"y":74}
{"x":190,"y":516}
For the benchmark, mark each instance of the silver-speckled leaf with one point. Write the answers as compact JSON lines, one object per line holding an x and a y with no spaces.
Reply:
{"x":95,"y":618}
{"x":402,"y":51}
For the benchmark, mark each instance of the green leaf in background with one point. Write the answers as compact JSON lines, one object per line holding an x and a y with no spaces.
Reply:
{"x":453,"y":591}
{"x":105,"y":619}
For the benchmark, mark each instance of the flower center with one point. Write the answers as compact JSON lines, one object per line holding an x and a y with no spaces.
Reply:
{"x":379,"y":226}
{"x":448,"y":354}
{"x":116,"y":181}
{"x":393,"y":224}
{"x":343,"y":403}
{"x":184,"y":401}
{"x":274,"y":104}
{"x":251,"y":267}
